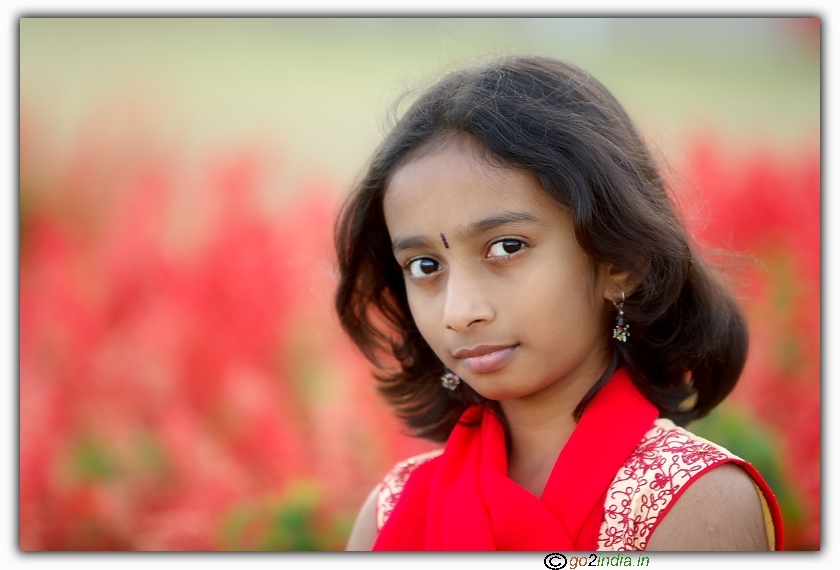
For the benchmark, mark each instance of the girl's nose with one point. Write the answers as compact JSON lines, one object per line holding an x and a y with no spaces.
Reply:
{"x":466,"y":305}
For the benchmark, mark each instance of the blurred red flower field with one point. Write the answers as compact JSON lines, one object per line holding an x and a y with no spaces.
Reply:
{"x":184,"y":384}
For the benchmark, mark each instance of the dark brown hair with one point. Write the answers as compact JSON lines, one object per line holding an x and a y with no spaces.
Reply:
{"x":689,"y":338}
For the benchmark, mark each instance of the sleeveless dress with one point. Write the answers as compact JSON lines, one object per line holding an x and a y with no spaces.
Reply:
{"x":616,"y":478}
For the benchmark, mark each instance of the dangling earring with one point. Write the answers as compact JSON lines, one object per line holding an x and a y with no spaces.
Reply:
{"x":449,"y":380}
{"x":621,"y":332}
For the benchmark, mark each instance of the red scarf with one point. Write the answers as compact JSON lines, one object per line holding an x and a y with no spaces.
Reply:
{"x":464,"y":500}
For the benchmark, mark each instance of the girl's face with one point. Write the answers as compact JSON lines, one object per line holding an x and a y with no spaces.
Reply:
{"x":496,"y":282}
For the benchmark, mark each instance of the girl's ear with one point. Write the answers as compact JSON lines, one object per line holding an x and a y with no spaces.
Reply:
{"x":619,"y":281}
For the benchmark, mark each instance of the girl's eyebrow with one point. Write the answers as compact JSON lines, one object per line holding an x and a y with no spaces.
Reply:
{"x":497,"y":220}
{"x":472,"y":230}
{"x":413,"y":242}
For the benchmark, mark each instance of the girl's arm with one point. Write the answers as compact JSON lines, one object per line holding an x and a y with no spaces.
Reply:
{"x":721,"y":510}
{"x":364,"y":530}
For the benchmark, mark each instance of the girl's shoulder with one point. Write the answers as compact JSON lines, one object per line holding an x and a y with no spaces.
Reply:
{"x":664,"y":467}
{"x":392,"y":485}
{"x":381,"y":501}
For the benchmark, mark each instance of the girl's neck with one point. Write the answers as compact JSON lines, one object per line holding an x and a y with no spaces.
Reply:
{"x":540,"y":425}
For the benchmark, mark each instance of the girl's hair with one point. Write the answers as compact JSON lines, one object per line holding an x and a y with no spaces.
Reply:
{"x":689,"y":338}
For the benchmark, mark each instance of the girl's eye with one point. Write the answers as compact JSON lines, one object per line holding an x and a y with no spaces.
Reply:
{"x":422,"y":267}
{"x":505,"y":248}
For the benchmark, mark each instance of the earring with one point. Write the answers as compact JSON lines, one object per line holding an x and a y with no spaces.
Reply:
{"x":688,"y":404}
{"x":621,"y":332}
{"x":449,"y":380}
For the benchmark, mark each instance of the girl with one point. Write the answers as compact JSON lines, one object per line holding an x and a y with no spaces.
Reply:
{"x":513,"y":265}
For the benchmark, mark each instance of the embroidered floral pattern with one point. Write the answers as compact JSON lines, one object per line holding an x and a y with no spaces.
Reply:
{"x":652,"y":477}
{"x":394,"y":482}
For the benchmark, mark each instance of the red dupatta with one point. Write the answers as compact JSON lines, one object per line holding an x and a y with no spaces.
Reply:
{"x":464,"y":500}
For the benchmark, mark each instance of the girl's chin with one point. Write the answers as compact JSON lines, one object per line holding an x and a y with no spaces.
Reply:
{"x":497,"y":388}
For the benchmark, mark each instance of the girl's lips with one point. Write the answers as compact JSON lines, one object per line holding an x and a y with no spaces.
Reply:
{"x":488,"y":361}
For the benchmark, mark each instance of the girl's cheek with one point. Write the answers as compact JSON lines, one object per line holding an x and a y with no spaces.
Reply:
{"x":423,"y":317}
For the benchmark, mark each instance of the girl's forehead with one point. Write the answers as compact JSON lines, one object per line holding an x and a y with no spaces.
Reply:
{"x":452,"y":160}
{"x":455,"y":182}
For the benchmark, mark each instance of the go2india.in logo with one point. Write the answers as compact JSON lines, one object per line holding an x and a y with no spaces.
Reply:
{"x":558,"y":561}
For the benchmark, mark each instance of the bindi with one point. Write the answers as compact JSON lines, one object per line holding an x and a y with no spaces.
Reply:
{"x":445,"y":243}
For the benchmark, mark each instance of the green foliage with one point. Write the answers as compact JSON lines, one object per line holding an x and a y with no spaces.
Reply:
{"x":93,"y":461}
{"x":293,"y":522}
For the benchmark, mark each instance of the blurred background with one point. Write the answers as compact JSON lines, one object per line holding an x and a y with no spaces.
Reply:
{"x":184,"y":384}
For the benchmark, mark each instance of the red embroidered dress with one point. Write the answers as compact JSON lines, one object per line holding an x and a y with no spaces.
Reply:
{"x":617,"y":476}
